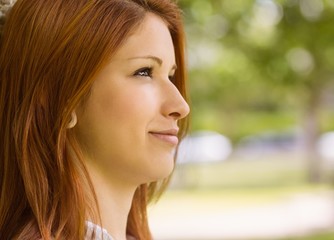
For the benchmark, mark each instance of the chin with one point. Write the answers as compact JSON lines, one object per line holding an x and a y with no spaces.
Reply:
{"x":163,"y":172}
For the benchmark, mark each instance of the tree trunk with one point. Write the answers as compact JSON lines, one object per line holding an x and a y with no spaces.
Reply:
{"x":311,"y":134}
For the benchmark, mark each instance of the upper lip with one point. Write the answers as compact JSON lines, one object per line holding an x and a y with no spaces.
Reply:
{"x":172,"y":131}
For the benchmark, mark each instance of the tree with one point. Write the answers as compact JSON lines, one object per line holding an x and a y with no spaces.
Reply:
{"x":263,"y":54}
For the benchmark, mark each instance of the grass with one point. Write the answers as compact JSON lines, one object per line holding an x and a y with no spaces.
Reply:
{"x":248,"y":171}
{"x":317,"y":236}
{"x":220,"y":199}
{"x":203,"y":189}
{"x":269,"y":171}
{"x":184,"y":205}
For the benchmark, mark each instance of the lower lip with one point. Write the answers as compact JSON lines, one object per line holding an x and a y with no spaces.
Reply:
{"x":171,"y":139}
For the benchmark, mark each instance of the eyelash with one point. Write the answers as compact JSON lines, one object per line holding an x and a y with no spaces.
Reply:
{"x":147,"y":72}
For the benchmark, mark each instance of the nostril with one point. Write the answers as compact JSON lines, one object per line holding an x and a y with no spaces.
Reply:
{"x":175,"y":114}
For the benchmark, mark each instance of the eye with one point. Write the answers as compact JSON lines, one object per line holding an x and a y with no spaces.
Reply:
{"x":144,"y":72}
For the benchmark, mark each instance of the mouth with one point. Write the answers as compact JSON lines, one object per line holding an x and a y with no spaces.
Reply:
{"x":167,"y":136}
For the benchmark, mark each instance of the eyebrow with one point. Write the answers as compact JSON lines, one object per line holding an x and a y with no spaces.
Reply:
{"x":154,"y":58}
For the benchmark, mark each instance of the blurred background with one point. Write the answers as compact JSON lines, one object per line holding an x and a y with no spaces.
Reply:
{"x":258,"y":162}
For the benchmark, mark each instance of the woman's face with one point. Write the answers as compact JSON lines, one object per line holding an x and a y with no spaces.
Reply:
{"x":128,"y":125}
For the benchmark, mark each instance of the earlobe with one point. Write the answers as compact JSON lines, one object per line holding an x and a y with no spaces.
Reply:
{"x":73,"y":121}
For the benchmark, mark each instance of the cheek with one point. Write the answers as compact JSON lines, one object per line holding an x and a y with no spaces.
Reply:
{"x":129,"y":103}
{"x":117,"y":121}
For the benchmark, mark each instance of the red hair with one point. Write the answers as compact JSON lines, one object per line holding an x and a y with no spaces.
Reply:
{"x":49,"y":54}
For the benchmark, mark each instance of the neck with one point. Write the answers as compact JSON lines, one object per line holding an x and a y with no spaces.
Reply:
{"x":114,"y":200}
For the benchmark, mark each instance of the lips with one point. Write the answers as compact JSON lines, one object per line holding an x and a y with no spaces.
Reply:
{"x":168,"y":136}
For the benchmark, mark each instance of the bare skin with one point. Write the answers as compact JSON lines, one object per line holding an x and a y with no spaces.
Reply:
{"x":128,"y":125}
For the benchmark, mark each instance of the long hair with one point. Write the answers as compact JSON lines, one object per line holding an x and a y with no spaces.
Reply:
{"x":50,"y":52}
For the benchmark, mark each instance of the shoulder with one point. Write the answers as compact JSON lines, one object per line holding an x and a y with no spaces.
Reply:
{"x":100,"y":233}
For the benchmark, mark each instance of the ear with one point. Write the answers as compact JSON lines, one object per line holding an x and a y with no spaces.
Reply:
{"x":73,"y":120}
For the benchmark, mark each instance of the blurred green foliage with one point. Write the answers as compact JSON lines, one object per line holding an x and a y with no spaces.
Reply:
{"x":257,"y":65}
{"x":320,"y":236}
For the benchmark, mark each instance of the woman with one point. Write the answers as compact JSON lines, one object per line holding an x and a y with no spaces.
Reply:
{"x":92,"y":106}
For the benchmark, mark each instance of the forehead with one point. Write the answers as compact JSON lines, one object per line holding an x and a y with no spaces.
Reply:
{"x":151,"y":37}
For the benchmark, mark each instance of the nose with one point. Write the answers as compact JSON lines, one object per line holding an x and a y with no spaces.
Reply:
{"x":174,"y":105}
